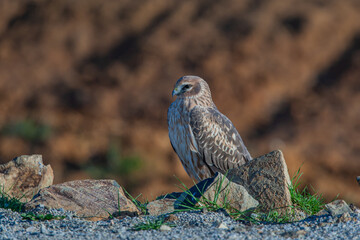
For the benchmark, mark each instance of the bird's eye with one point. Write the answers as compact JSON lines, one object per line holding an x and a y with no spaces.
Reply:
{"x":187,"y":86}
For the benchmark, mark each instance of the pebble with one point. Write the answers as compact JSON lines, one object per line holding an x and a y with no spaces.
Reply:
{"x":43,"y":229}
{"x":31,"y":229}
{"x":222,"y":226}
{"x":165,"y":228}
{"x":185,"y":225}
{"x":344,"y":217}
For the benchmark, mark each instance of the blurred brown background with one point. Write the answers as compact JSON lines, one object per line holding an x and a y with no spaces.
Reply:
{"x":87,"y":84}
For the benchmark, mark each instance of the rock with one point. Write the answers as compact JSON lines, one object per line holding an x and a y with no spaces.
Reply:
{"x":345,"y":217}
{"x":218,"y":190}
{"x":298,"y":215}
{"x":266,"y":178}
{"x":91,"y":199}
{"x":222,"y":226}
{"x":354,"y":208}
{"x":293,"y":234}
{"x":338,"y":207}
{"x":323,"y":224}
{"x":43,"y":229}
{"x":165,"y":228}
{"x":24,"y":176}
{"x":263,"y":181}
{"x":171,"y":218}
{"x":322,"y":212}
{"x":161,"y":206}
{"x":236,"y":195}
{"x":31,"y":229}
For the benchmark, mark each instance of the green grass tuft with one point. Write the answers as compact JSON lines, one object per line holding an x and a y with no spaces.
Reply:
{"x":141,"y":206}
{"x":13,"y":203}
{"x":212,"y":205}
{"x":273,"y":216}
{"x":9,"y":202}
{"x":41,"y":217}
{"x":151,"y":224}
{"x":204,"y":202}
{"x":303,"y":199}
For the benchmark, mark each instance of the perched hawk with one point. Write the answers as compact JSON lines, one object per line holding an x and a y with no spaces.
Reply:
{"x":205,"y":140}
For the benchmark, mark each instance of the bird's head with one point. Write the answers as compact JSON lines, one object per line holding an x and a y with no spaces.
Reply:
{"x":190,"y":86}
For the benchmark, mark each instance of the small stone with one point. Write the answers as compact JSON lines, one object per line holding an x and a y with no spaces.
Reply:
{"x":338,"y":207}
{"x":204,"y":210}
{"x":161,"y":206}
{"x":353,"y":207}
{"x":239,"y":229}
{"x":298,"y":215}
{"x":323,"y":224}
{"x":31,"y":230}
{"x":293,"y":234}
{"x":165,"y":228}
{"x":345,"y":217}
{"x":234,"y":236}
{"x":171,"y":218}
{"x":222,"y":226}
{"x":43,"y":229}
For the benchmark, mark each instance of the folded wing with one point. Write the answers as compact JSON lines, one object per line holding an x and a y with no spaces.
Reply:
{"x":217,"y":140}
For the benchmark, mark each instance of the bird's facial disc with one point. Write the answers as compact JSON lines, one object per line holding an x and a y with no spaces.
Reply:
{"x":183,"y":88}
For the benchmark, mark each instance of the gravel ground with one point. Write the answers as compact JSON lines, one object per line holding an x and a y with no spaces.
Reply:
{"x":193,"y":225}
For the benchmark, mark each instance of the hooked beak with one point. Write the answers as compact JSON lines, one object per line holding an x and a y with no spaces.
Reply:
{"x":176,"y":91}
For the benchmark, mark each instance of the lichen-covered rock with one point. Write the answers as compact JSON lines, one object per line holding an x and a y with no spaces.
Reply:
{"x":24,"y":176}
{"x":91,"y":199}
{"x":266,"y":178}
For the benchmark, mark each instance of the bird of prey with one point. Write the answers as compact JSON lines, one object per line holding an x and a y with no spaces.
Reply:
{"x":205,"y":140}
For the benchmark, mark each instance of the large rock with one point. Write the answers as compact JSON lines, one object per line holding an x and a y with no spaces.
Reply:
{"x":263,"y":182}
{"x":91,"y":199}
{"x":217,"y":190}
{"x":24,"y":176}
{"x":266,"y":178}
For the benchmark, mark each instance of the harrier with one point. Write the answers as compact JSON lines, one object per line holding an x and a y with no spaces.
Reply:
{"x":205,"y":140}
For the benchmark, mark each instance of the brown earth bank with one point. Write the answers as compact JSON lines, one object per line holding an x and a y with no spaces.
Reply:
{"x":87,"y":84}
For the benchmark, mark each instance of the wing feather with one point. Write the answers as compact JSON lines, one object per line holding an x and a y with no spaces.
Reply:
{"x":217,"y":140}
